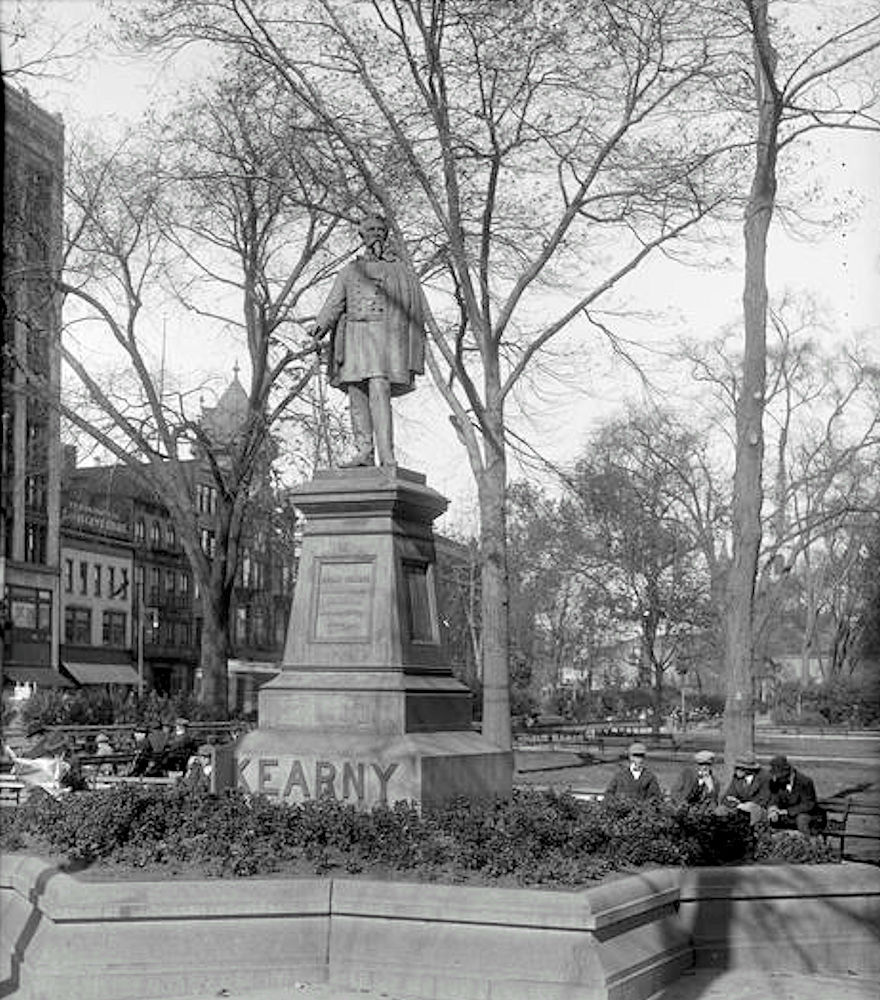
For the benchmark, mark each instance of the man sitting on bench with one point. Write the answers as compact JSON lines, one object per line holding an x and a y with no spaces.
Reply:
{"x":793,"y":804}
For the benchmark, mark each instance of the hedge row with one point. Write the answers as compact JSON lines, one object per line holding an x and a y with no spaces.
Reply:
{"x":535,"y":838}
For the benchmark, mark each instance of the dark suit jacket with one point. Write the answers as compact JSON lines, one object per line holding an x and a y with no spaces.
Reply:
{"x":623,"y":785}
{"x":758,"y":791}
{"x":801,"y":798}
{"x":688,"y":790}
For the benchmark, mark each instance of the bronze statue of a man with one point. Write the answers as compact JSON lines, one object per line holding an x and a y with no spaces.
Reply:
{"x":375,"y":317}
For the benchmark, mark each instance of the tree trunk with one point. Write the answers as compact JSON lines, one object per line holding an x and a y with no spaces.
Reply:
{"x":495,"y":591}
{"x":214,"y":657}
{"x":739,"y":717}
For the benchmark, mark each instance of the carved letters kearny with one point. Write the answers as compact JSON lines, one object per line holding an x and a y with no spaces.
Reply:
{"x":295,"y":780}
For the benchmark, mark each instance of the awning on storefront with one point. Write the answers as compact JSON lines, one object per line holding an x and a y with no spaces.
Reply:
{"x":253,"y":666}
{"x":41,"y":676}
{"x":102,"y":673}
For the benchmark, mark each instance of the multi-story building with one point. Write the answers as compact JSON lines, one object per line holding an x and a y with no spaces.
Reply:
{"x":33,"y":166}
{"x":97,"y":591}
{"x":151,"y":576}
{"x":266,"y":569}
{"x":130,"y":526}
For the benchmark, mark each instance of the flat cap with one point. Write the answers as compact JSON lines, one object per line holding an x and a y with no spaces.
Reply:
{"x":748,"y":762}
{"x":704,"y":757}
{"x":637,"y":750}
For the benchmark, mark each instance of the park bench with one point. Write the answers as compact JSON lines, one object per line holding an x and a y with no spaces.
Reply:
{"x":10,"y":790}
{"x":622,"y":736}
{"x":114,"y":780}
{"x":842,"y":816}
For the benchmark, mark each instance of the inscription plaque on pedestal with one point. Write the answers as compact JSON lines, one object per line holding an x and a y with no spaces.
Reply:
{"x":344,"y":600}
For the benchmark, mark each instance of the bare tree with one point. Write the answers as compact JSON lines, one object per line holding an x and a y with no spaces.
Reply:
{"x":641,"y":495}
{"x":231,"y":201}
{"x":530,"y":150}
{"x":796,"y":90}
{"x":33,"y":47}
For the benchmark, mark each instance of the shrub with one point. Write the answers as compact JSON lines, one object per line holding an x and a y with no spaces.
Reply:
{"x":535,"y":838}
{"x":104,"y":707}
{"x":791,"y":848}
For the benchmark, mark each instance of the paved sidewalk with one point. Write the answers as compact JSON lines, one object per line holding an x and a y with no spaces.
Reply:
{"x":703,"y":985}
{"x":742,"y":985}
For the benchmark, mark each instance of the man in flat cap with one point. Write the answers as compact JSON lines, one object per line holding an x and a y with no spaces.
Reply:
{"x":793,"y":802}
{"x":749,"y":789}
{"x":634,"y":780}
{"x":375,"y":317}
{"x":696,"y":784}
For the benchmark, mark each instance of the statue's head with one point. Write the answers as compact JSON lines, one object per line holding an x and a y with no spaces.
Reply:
{"x":373,"y":222}
{"x":373,"y":230}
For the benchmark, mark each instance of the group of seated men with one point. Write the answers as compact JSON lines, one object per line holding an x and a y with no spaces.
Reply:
{"x":159,"y":751}
{"x":779,"y":794}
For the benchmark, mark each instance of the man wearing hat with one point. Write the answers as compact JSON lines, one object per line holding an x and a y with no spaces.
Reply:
{"x":749,"y":789}
{"x":635,"y":781}
{"x":696,"y":784}
{"x":103,"y":748}
{"x":143,"y":753}
{"x":181,"y":747}
{"x":793,"y":803}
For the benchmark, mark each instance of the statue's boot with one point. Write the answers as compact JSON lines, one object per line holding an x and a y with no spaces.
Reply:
{"x":362,"y":428}
{"x":383,"y":426}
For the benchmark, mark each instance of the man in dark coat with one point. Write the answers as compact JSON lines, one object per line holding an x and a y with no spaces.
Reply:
{"x":375,"y":316}
{"x":635,"y":781}
{"x":793,"y":803}
{"x":749,"y":789}
{"x":696,"y":784}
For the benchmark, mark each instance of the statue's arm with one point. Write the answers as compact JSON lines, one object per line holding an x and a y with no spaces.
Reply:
{"x":333,"y":307}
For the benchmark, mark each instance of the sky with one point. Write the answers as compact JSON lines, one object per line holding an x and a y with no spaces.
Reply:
{"x":839,"y":266}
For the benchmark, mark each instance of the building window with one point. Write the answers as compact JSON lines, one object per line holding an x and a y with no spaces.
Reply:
{"x":140,"y":531}
{"x":153,"y":596}
{"x":209,"y":542}
{"x":259,"y":626}
{"x":111,"y":581}
{"x":183,"y":584}
{"x":78,"y":626}
{"x":68,"y":576}
{"x":30,"y":611}
{"x":155,"y":534}
{"x":113,"y":629}
{"x":83,"y":577}
{"x":35,"y":543}
{"x":206,"y":499}
{"x":170,"y":582}
{"x":35,"y":493}
{"x":96,"y":579}
{"x":170,"y":536}
{"x":123,"y":584}
{"x":183,"y":633}
{"x":241,"y":625}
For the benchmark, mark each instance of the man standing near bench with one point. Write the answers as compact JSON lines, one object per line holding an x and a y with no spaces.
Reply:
{"x":793,"y":804}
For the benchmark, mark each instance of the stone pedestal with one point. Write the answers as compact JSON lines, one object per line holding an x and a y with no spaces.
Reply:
{"x":366,"y":709}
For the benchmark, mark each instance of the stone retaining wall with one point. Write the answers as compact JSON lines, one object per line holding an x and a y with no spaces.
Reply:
{"x":621,"y":940}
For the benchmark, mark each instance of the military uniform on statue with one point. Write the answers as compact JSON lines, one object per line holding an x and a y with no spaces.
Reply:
{"x":375,"y":316}
{"x":366,"y":708}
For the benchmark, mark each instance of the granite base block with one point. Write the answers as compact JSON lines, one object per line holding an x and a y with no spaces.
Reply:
{"x":294,"y":765}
